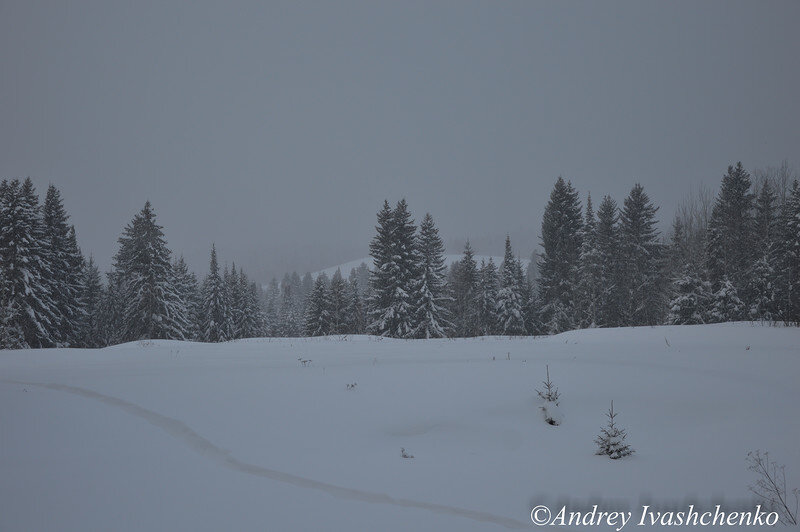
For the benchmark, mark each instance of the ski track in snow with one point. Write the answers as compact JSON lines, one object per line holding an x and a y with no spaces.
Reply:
{"x":183,"y":433}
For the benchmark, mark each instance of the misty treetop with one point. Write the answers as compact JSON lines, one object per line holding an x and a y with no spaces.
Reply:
{"x":735,"y":256}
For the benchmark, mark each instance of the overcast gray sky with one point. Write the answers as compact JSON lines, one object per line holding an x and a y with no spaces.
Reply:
{"x":276,"y":129}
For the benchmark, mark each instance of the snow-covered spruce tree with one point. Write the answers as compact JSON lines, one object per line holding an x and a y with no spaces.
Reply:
{"x":112,"y":310}
{"x":356,"y":318}
{"x":362,"y":275}
{"x":299,"y":296}
{"x":338,"y":301}
{"x":318,"y":317}
{"x":463,"y":288}
{"x":763,"y":277}
{"x":550,"y":397}
{"x":790,"y":262}
{"x":561,"y":240}
{"x":231,"y":293}
{"x":152,"y":306}
{"x":726,"y":304}
{"x":251,"y":324}
{"x":730,"y":229}
{"x":26,"y":293}
{"x":306,"y":285}
{"x":609,"y":303}
{"x":235,"y":301}
{"x":272,"y":307}
{"x":690,"y":299}
{"x":589,"y":272}
{"x":395,"y":277}
{"x":611,"y":441}
{"x":213,"y":310}
{"x":11,"y":336}
{"x":689,"y":293}
{"x":760,"y":291}
{"x":510,"y":297}
{"x":257,"y":303}
{"x":488,"y":287}
{"x":289,"y":320}
{"x":90,"y":329}
{"x":188,"y":290}
{"x":66,"y":269}
{"x":531,"y":311}
{"x":431,"y":296}
{"x":380,"y":280}
{"x":766,"y":223}
{"x":642,"y":256}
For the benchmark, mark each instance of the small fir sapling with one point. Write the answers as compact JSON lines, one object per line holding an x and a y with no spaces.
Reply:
{"x":611,"y":441}
{"x":550,"y":397}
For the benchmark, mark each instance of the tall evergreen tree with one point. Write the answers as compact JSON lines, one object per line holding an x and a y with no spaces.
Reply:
{"x":112,"y":310}
{"x":11,"y":335}
{"x":318,"y":315}
{"x":251,"y":318}
{"x":236,"y":302}
{"x":642,"y":257}
{"x":488,"y":287}
{"x":729,"y":252}
{"x":510,"y":298}
{"x":610,"y":301}
{"x":463,"y":289}
{"x":380,"y":279}
{"x":152,"y":306}
{"x":589,"y":272}
{"x":763,"y":277}
{"x":431,"y":304}
{"x":395,"y":277}
{"x":306,"y":284}
{"x":272,"y":308}
{"x":790,"y":262}
{"x":213,"y":311}
{"x":299,"y":298}
{"x":338,"y":301}
{"x":355,"y":305}
{"x":65,"y":264}
{"x":188,"y":291}
{"x":91,"y":333}
{"x":561,"y":240}
{"x":289,"y":318}
{"x":689,"y":294}
{"x":766,"y":220}
{"x":26,"y":292}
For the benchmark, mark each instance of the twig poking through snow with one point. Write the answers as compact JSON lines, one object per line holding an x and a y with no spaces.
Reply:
{"x":771,"y":486}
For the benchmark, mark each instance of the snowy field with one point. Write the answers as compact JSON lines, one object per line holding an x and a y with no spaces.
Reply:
{"x":243,"y":436}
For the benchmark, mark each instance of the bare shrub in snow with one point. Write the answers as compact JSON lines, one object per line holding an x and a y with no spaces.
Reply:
{"x":611,"y":441}
{"x":770,"y":487}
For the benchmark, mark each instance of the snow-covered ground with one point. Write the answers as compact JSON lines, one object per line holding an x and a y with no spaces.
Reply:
{"x":244,"y":436}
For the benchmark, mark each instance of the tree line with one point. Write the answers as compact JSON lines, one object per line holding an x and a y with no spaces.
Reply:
{"x":732,"y":257}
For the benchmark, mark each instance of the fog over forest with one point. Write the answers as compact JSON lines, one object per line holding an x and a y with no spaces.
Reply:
{"x":277,"y":130}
